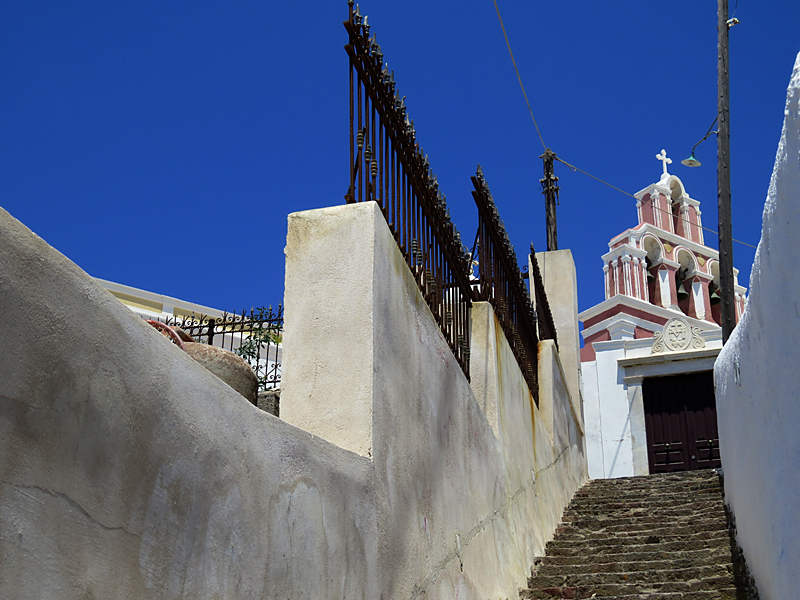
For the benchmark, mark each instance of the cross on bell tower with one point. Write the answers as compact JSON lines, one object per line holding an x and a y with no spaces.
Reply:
{"x":664,"y":160}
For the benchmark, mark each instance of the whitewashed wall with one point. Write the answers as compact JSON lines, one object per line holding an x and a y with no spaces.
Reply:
{"x":129,"y":471}
{"x":469,"y":484}
{"x":758,"y":388}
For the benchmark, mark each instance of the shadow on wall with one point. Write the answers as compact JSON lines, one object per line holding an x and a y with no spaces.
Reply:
{"x":757,"y":384}
{"x":126,"y":466}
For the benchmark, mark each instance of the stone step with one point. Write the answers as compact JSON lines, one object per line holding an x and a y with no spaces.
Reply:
{"x":661,"y":504}
{"x":656,"y":572}
{"x":720,"y":594}
{"x":644,"y":516}
{"x":654,"y":496}
{"x":706,"y":585}
{"x":700,"y":554}
{"x":569,"y":531}
{"x":649,"y":539}
{"x":659,"y":537}
{"x":658,"y":478}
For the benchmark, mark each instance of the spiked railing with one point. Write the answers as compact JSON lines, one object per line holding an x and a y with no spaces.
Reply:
{"x":501,"y":284}
{"x":547,"y":326}
{"x":388,"y":166}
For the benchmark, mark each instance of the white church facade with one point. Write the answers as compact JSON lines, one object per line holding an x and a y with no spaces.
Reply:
{"x":649,"y":347}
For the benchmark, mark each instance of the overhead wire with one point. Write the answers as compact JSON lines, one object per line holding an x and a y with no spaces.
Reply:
{"x":514,"y":62}
{"x":573,"y":167}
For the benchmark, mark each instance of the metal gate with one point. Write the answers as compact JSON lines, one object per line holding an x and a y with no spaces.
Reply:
{"x":681,"y":422}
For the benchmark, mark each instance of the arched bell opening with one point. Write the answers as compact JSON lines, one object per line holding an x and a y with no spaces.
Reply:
{"x":714,"y":291}
{"x":683,"y":279}
{"x":654,"y":251}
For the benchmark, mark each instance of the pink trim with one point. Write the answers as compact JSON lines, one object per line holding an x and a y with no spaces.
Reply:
{"x":621,"y":308}
{"x":587,"y":352}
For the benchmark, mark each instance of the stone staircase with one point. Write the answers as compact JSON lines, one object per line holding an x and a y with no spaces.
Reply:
{"x":659,"y":537}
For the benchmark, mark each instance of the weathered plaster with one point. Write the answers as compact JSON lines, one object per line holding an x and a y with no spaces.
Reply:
{"x":468,"y":485}
{"x":757,"y":385}
{"x":129,"y":471}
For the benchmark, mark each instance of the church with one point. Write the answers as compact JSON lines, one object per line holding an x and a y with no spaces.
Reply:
{"x":650,"y":346}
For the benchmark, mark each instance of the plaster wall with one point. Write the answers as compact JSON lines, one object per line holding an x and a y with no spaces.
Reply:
{"x":561,"y":285}
{"x":758,"y":411}
{"x":129,"y":471}
{"x":469,"y":485}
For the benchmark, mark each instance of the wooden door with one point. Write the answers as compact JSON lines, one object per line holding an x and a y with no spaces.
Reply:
{"x":681,"y":422}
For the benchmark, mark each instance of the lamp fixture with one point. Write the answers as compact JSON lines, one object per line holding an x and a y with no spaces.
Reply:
{"x":692,"y":161}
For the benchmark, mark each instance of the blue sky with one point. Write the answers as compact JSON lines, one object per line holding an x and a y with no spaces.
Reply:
{"x":162,"y":144}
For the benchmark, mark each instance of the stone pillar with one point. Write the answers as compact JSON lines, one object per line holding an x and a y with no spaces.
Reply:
{"x":637,"y":277}
{"x":615,"y":276}
{"x":645,"y":287}
{"x":606,"y":281}
{"x":626,"y":274}
{"x":668,"y":294}
{"x":322,"y":340}
{"x":641,"y":463}
{"x":561,"y":285}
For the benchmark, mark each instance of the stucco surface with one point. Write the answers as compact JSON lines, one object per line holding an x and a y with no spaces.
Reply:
{"x":468,"y":490}
{"x":561,"y":285}
{"x":129,"y":471}
{"x":759,"y":410}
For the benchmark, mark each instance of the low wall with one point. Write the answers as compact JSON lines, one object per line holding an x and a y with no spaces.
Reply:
{"x":469,"y":486}
{"x":758,"y":402}
{"x":129,"y":471}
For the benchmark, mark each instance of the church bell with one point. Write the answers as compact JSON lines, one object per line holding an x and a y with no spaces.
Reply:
{"x":682,"y":293}
{"x":715,"y":299}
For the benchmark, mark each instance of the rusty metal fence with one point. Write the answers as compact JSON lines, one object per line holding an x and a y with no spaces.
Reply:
{"x":501,"y":283}
{"x":544,"y":316}
{"x":388,"y":166}
{"x":255,"y":335}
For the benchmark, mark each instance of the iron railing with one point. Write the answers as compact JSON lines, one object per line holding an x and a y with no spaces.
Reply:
{"x":255,"y":335}
{"x":544,"y":316}
{"x":388,"y":166}
{"x":501,"y":284}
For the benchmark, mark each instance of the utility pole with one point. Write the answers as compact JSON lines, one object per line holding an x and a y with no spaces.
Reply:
{"x":550,"y":190}
{"x":728,"y":306}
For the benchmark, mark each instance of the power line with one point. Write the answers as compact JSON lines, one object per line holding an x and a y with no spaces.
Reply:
{"x":514,"y":62}
{"x":574,"y":168}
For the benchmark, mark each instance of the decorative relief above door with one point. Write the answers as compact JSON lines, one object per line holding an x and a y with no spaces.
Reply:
{"x":676,"y":336}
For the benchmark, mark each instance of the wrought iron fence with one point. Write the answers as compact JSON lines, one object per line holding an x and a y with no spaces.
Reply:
{"x":388,"y":166}
{"x":547,"y":327}
{"x":501,"y":283}
{"x":255,"y":335}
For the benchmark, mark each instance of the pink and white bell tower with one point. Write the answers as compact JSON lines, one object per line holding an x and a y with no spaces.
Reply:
{"x":660,"y":319}
{"x":658,"y":270}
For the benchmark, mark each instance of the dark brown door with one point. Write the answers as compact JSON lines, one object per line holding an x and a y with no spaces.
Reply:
{"x":681,"y":422}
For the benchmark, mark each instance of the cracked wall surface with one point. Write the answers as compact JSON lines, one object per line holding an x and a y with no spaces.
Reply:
{"x":470,"y":479}
{"x":128,"y":471}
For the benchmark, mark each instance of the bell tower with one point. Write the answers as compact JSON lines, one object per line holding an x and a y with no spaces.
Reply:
{"x":659,"y":269}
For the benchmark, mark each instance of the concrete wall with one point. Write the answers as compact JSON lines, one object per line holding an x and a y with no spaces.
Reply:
{"x":758,"y":402}
{"x":469,"y":485}
{"x":561,"y":285}
{"x":129,"y":471}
